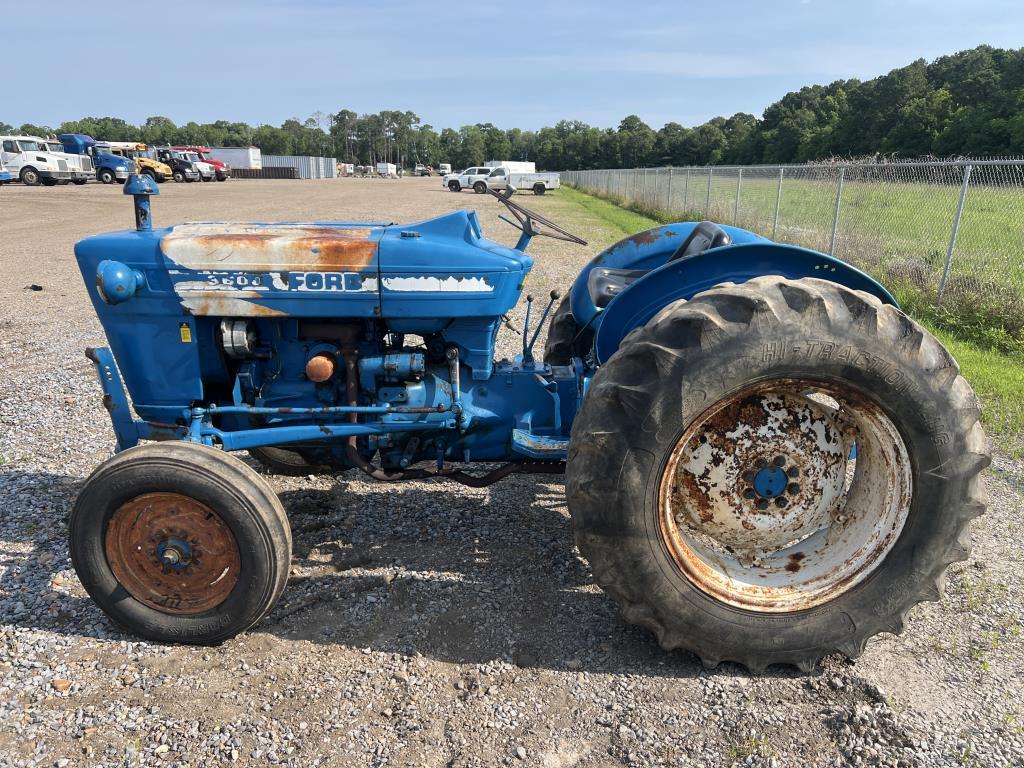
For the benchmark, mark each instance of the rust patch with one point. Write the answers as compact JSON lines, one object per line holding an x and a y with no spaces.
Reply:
{"x":646,"y":237}
{"x":172,"y":553}
{"x":794,"y":562}
{"x":269,"y":248}
{"x":233,"y":304}
{"x":320,"y":368}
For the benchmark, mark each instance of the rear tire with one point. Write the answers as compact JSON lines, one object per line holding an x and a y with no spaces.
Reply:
{"x":80,"y":182}
{"x":539,"y":189}
{"x":220,"y":541}
{"x":648,"y":405}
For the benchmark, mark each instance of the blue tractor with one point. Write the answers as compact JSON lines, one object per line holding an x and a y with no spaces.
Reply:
{"x":766,"y":461}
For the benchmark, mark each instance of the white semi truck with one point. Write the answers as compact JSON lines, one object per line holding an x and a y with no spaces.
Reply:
{"x":31,"y":162}
{"x":80,"y":166}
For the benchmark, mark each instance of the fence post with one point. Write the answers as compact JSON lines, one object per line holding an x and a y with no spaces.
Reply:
{"x":668,"y":206}
{"x":956,"y":229}
{"x":835,"y":216}
{"x":736,"y":207}
{"x":707,"y":202}
{"x":686,"y":190}
{"x":778,"y":202}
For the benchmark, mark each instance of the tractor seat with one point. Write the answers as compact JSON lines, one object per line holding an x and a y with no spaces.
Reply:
{"x":704,"y":237}
{"x":604,"y":284}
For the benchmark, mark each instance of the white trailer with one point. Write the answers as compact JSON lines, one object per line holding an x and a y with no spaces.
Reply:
{"x":239,"y":157}
{"x":513,"y":166}
{"x":387,"y":170}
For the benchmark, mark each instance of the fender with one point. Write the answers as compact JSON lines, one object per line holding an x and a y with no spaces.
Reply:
{"x":685,"y":278}
{"x":649,"y":249}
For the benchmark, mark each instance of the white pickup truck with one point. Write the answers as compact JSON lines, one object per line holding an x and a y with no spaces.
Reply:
{"x":503,"y":180}
{"x":474,"y":178}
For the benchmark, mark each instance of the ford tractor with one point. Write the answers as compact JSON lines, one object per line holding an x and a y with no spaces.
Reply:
{"x":766,"y":461}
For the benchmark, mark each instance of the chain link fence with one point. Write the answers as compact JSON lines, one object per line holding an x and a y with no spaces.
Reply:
{"x":942,"y":234}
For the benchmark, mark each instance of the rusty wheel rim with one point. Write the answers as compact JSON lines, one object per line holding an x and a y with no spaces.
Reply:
{"x":172,"y":553}
{"x":764,"y":506}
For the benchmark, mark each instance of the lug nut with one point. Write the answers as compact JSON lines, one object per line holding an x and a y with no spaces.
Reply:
{"x":793,"y":488}
{"x":781,"y":502}
{"x":749,"y":493}
{"x":780,"y":461}
{"x":748,"y":476}
{"x":762,"y":504}
{"x":793,"y":472}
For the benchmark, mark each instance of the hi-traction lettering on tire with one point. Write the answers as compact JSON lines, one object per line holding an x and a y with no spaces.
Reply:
{"x":847,"y":354}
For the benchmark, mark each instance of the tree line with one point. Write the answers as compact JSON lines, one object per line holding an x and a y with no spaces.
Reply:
{"x":968,"y":103}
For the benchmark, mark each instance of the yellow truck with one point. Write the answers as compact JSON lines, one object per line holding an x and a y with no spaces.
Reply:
{"x":143,"y":162}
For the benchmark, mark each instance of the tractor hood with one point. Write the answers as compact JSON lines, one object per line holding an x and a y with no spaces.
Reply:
{"x":419,"y":274}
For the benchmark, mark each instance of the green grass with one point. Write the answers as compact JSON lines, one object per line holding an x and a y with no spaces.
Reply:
{"x":610,"y":214}
{"x":997,"y":376}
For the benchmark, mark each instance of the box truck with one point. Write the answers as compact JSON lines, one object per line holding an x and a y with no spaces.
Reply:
{"x":249,"y":158}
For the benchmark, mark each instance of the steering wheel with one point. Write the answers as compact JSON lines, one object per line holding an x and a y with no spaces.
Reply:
{"x":527,"y":221}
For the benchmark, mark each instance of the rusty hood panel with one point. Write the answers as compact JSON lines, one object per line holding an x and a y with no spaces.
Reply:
{"x":272,"y":247}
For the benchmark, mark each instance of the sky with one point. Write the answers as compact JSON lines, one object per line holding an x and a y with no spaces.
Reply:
{"x":515,"y":63}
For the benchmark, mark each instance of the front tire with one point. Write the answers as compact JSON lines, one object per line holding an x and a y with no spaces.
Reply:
{"x":106,"y":176}
{"x":30,"y":177}
{"x":178,"y":176}
{"x":479,"y":187}
{"x":712,"y":487}
{"x":152,"y":174}
{"x":454,"y":186}
{"x":180,"y":543}
{"x":539,"y":189}
{"x":80,"y":182}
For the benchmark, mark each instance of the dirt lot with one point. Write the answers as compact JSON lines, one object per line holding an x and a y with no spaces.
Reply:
{"x":426,"y":624}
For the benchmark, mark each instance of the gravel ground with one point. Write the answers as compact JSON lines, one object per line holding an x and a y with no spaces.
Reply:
{"x":425,"y":624}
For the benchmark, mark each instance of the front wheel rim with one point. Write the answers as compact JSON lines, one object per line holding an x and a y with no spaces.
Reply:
{"x":764,"y":506}
{"x":172,"y":553}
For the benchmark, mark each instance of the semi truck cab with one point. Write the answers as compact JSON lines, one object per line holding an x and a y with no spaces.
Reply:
{"x":182,"y":169}
{"x":108,"y":167}
{"x":222,"y":170}
{"x":31,"y":161}
{"x":79,"y":166}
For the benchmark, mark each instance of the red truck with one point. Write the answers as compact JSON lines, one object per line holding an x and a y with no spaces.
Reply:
{"x":222,"y":169}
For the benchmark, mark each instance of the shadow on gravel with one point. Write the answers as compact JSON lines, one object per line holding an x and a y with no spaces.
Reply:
{"x":461,"y":577}
{"x":434,"y":569}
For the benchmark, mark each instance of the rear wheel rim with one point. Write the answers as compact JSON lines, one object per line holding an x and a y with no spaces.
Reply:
{"x":762,"y":506}
{"x":172,"y":553}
